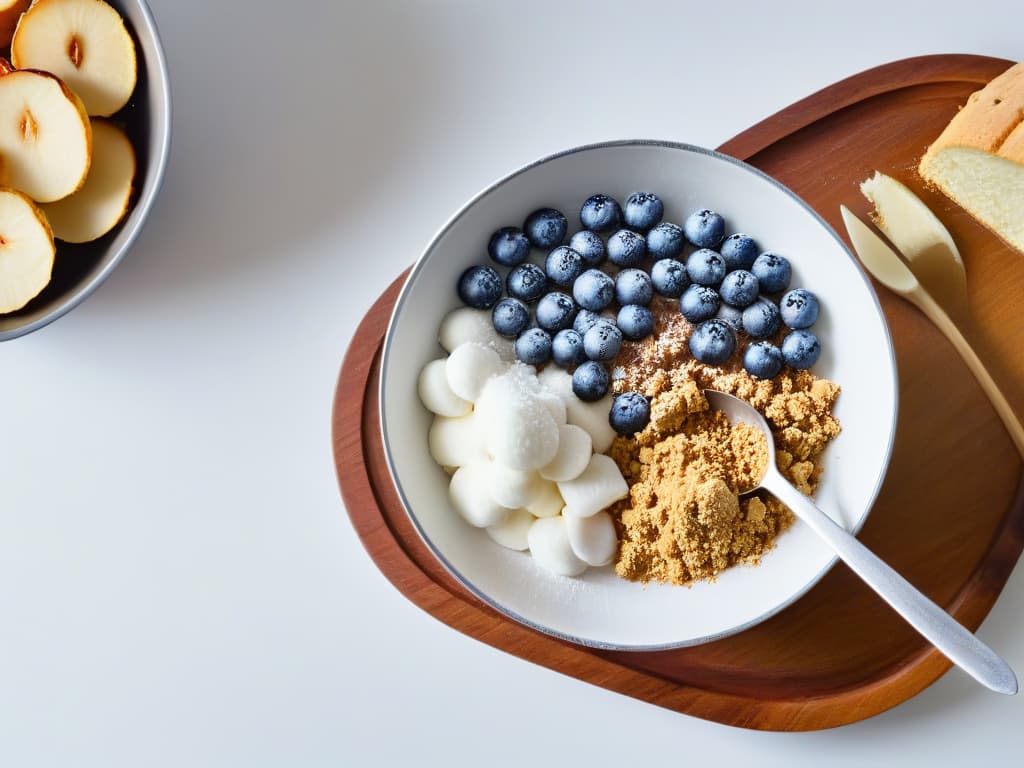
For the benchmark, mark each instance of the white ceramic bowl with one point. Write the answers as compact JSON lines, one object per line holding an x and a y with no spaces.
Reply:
{"x":600,"y":609}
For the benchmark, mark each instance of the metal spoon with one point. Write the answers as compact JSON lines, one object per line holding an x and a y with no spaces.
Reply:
{"x":938,"y":627}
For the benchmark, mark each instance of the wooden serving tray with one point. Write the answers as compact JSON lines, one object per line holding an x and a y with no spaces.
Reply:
{"x":950,"y":516}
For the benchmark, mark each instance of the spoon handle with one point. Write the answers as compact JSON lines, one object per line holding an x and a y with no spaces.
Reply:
{"x":938,"y":627}
{"x":934,"y":312}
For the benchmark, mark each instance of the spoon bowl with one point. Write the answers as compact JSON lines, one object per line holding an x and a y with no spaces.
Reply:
{"x":938,"y":627}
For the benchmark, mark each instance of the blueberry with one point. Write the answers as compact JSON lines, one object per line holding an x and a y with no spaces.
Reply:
{"x":546,"y":227}
{"x":510,"y":317}
{"x":730,"y":315}
{"x":799,"y":308}
{"x":603,"y":341}
{"x":563,"y":265}
{"x":713,"y":342}
{"x":772,"y":271}
{"x":509,"y":246}
{"x":629,"y":414}
{"x":555,"y":311}
{"x":669,"y":278}
{"x":633,"y":286}
{"x":739,"y":288}
{"x":527,"y":282}
{"x":585,"y":320}
{"x":533,"y":346}
{"x":600,"y":212}
{"x":705,"y":267}
{"x":626,"y":248}
{"x":479,"y":287}
{"x":699,"y":302}
{"x":665,"y":241}
{"x":704,"y":228}
{"x":643,"y":210}
{"x":761,"y":319}
{"x":567,"y":348}
{"x":635,"y":322}
{"x":593,"y":290}
{"x":590,"y":381}
{"x":739,"y":251}
{"x":589,"y":245}
{"x":800,"y":349}
{"x":762,"y":360}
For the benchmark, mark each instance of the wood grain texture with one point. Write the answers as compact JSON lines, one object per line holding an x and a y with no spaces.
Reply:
{"x":950,"y":516}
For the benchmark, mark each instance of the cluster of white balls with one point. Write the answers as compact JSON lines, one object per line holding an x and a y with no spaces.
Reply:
{"x":526,"y":456}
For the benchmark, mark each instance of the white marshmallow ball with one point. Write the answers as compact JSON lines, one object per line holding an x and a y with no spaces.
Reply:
{"x":593,"y":538}
{"x":436,"y":394}
{"x":557,"y":381}
{"x":520,"y":431}
{"x":574,"y":451}
{"x":593,"y":417}
{"x":549,"y":544}
{"x":468,"y":368}
{"x":468,"y":324}
{"x":546,"y":501}
{"x":554,"y":405}
{"x":456,"y":442}
{"x":600,"y":486}
{"x":513,"y":532}
{"x":468,"y":492}
{"x":512,"y":488}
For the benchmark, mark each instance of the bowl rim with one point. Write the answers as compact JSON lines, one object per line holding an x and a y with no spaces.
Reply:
{"x":160,"y":150}
{"x":386,"y":353}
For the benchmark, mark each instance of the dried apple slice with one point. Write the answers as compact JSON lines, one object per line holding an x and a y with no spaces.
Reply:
{"x":26,"y":250}
{"x":10,"y":10}
{"x":85,"y":44}
{"x":45,"y":136}
{"x":102,"y":201}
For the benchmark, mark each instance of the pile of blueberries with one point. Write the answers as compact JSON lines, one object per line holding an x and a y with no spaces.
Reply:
{"x":724,"y":286}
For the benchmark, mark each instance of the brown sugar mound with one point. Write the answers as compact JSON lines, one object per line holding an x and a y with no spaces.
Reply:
{"x":684,"y":519}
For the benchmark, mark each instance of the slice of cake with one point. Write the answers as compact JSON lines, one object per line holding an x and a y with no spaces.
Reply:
{"x":978,"y":160}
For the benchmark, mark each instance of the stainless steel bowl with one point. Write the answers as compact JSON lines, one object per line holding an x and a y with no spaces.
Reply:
{"x":78,"y":270}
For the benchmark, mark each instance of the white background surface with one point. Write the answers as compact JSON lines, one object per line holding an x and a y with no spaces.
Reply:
{"x":179,"y":583}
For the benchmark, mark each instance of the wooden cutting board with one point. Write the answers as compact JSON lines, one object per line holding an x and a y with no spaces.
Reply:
{"x":950,"y":516}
